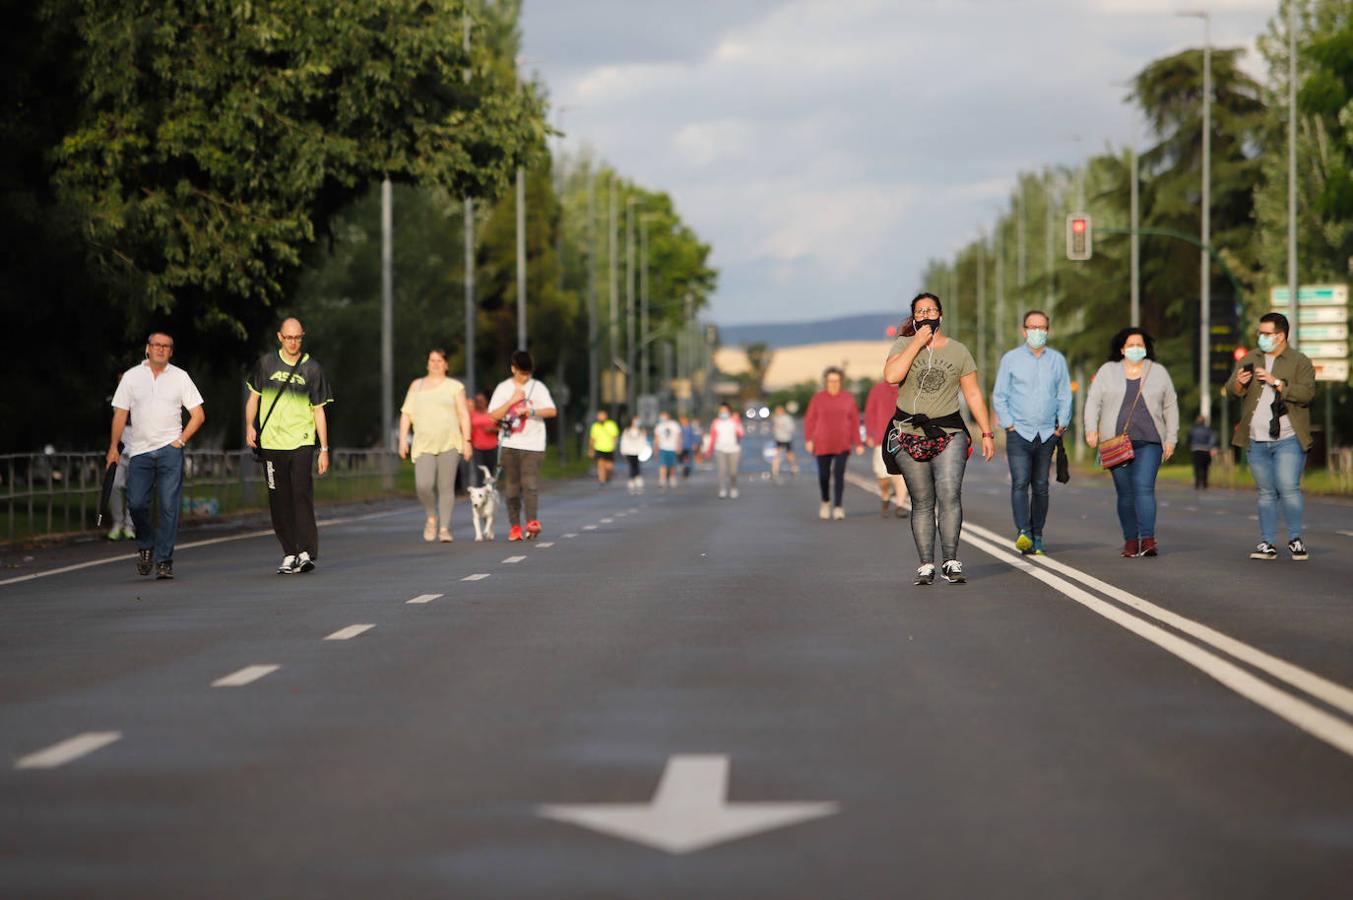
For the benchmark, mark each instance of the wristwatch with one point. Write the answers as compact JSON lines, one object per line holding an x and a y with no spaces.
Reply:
{"x":323,"y":449}
{"x":988,"y":434}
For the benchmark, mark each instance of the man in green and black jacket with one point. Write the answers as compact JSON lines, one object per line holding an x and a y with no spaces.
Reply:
{"x":1278,"y":384}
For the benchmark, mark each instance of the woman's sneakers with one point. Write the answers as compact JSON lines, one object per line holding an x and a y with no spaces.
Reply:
{"x":925,"y":574}
{"x":1265,"y":550}
{"x":953,"y":572}
{"x":824,"y":512}
{"x":1296,"y":546}
{"x":1131,"y":549}
{"x":839,"y":513}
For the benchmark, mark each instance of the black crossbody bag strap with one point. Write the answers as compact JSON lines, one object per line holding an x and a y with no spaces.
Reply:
{"x":291,"y":373}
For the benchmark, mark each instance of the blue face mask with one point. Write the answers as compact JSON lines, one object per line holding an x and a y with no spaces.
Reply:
{"x":1135,"y":354}
{"x":1036,"y":338}
{"x":723,"y":415}
{"x":1268,"y":342}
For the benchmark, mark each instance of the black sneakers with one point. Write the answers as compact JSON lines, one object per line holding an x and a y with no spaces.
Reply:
{"x":925,"y":574}
{"x":164,"y":571}
{"x":1265,"y":550}
{"x":953,"y":572}
{"x":143,"y":561}
{"x":1297,"y":548}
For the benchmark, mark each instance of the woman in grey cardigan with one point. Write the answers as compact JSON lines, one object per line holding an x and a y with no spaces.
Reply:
{"x":1153,"y":425}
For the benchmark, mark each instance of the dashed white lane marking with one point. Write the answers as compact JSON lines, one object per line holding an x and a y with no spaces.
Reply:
{"x":1346,"y":533}
{"x":247,"y":675}
{"x":424,"y":598}
{"x":571,"y":534}
{"x":68,"y":750}
{"x":589,"y":528}
{"x":1311,"y":719}
{"x":478,"y":576}
{"x":546,"y":545}
{"x":127,"y":557}
{"x":347,"y":634}
{"x":607,"y":521}
{"x":514,"y":559}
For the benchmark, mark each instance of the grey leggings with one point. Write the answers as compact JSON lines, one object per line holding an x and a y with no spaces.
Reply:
{"x":436,"y":473}
{"x":726,"y":463}
{"x":936,"y":486}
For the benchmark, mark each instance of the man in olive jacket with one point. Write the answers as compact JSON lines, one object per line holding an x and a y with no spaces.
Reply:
{"x":1278,"y":385}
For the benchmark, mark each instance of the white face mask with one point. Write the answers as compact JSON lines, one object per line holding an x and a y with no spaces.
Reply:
{"x":1135,"y":354}
{"x":723,"y":415}
{"x":1037,"y":337}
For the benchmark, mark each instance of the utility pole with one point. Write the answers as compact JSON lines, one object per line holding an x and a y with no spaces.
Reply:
{"x":387,"y":314}
{"x":630,"y":356}
{"x":1049,"y":246}
{"x":982,"y":308}
{"x":471,"y":308}
{"x":521,"y":258}
{"x":1204,"y":260}
{"x":645,"y":387}
{"x":1021,"y":247}
{"x":613,"y":293}
{"x":999,"y":333}
{"x":1136,"y":311}
{"x":1292,"y":285}
{"x":592,"y":398}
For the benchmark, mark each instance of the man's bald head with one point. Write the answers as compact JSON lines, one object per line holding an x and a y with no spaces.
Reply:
{"x":290,"y":336}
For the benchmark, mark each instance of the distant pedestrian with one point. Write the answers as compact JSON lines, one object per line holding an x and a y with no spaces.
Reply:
{"x":879,"y":407}
{"x":1032,"y":401}
{"x":1278,"y":384}
{"x":601,"y":441}
{"x":1203,"y":446}
{"x":724,"y":443}
{"x":634,"y":447}
{"x":155,"y":393}
{"x":1133,"y":395}
{"x":290,"y":389}
{"x":667,"y":435}
{"x":483,"y":438}
{"x":929,"y":441}
{"x":521,"y":404}
{"x":435,"y":409}
{"x":831,"y":429}
{"x":782,"y":431}
{"x":690,"y":445}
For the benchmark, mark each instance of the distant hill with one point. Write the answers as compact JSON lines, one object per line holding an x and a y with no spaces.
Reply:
{"x":867,"y":327}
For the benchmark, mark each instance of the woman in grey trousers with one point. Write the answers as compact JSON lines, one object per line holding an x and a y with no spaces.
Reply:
{"x":1132,"y":394}
{"x":436,"y":410}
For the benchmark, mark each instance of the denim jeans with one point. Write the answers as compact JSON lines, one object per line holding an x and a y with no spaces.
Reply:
{"x":1136,"y":486}
{"x":936,"y":488}
{"x":1030,"y":462}
{"x":160,"y":469}
{"x":831,"y":475}
{"x":1276,"y":467}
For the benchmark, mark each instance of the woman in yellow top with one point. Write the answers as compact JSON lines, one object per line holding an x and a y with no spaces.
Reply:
{"x":435,"y":407}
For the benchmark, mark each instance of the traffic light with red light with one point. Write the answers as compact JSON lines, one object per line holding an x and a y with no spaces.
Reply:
{"x":1079,"y":237}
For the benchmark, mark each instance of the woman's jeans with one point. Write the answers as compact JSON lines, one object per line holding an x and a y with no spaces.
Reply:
{"x":1136,"y":485}
{"x":1276,"y":467}
{"x":434,"y":476}
{"x":831,"y":473}
{"x":1030,"y":462}
{"x":936,"y":488}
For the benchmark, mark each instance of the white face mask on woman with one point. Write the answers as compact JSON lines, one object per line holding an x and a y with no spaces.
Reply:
{"x":1135,"y":354}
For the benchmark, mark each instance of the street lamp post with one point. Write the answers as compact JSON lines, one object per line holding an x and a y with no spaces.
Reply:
{"x":645,"y":387}
{"x":1292,"y":170}
{"x":592,"y":399}
{"x":630,"y":338}
{"x":1205,"y":262}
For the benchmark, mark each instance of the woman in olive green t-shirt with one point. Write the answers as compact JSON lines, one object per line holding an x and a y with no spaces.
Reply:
{"x":435,"y":408}
{"x":930,"y":370}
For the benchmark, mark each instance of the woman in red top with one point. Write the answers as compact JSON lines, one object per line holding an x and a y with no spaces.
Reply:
{"x":483,"y":438}
{"x":831,"y":429}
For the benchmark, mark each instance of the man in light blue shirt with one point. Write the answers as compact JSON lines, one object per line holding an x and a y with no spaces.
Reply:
{"x":1032,"y":399}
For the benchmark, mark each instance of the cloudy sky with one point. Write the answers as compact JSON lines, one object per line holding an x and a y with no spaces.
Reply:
{"x":828,"y":148}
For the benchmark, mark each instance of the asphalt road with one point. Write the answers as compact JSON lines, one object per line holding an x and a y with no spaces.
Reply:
{"x":1082,"y":726}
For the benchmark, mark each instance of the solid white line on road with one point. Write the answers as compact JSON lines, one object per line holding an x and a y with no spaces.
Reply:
{"x":1314,"y":721}
{"x":546,"y":545}
{"x":128,"y":557}
{"x":1346,"y":533}
{"x":423,"y":598}
{"x":68,"y":750}
{"x":478,"y":576}
{"x":514,"y":559}
{"x":589,"y":528}
{"x":347,"y":634}
{"x":247,"y":675}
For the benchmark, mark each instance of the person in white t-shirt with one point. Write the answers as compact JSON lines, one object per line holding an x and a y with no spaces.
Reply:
{"x":667,"y":434}
{"x":725,"y":445}
{"x":634,"y":446}
{"x":155,"y":393}
{"x":520,"y":405}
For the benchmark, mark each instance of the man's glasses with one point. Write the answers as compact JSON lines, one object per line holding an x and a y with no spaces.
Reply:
{"x":293,"y":337}
{"x":159,"y":346}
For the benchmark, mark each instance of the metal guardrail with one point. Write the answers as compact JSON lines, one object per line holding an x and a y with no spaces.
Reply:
{"x":47,"y":494}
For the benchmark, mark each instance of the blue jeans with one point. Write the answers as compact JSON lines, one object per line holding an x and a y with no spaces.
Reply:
{"x":1030,"y":462}
{"x":1276,"y":467}
{"x":1136,"y":486}
{"x":162,"y":469}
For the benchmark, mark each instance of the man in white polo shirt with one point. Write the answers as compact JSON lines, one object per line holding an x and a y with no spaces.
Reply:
{"x":155,"y":393}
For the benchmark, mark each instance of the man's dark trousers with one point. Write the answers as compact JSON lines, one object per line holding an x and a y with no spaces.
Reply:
{"x":1030,"y":462}
{"x":291,"y":499}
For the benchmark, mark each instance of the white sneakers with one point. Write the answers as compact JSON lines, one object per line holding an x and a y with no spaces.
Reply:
{"x":824,"y":512}
{"x":839,"y":513}
{"x":293,"y":565}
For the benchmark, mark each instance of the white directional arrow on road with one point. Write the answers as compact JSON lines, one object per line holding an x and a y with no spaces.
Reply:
{"x":689,"y":812}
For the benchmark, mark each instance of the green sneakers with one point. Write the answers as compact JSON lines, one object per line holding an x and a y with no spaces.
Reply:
{"x":1025,"y":542}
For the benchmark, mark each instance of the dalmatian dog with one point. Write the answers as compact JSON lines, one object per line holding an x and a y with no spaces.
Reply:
{"x":484,"y":505}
